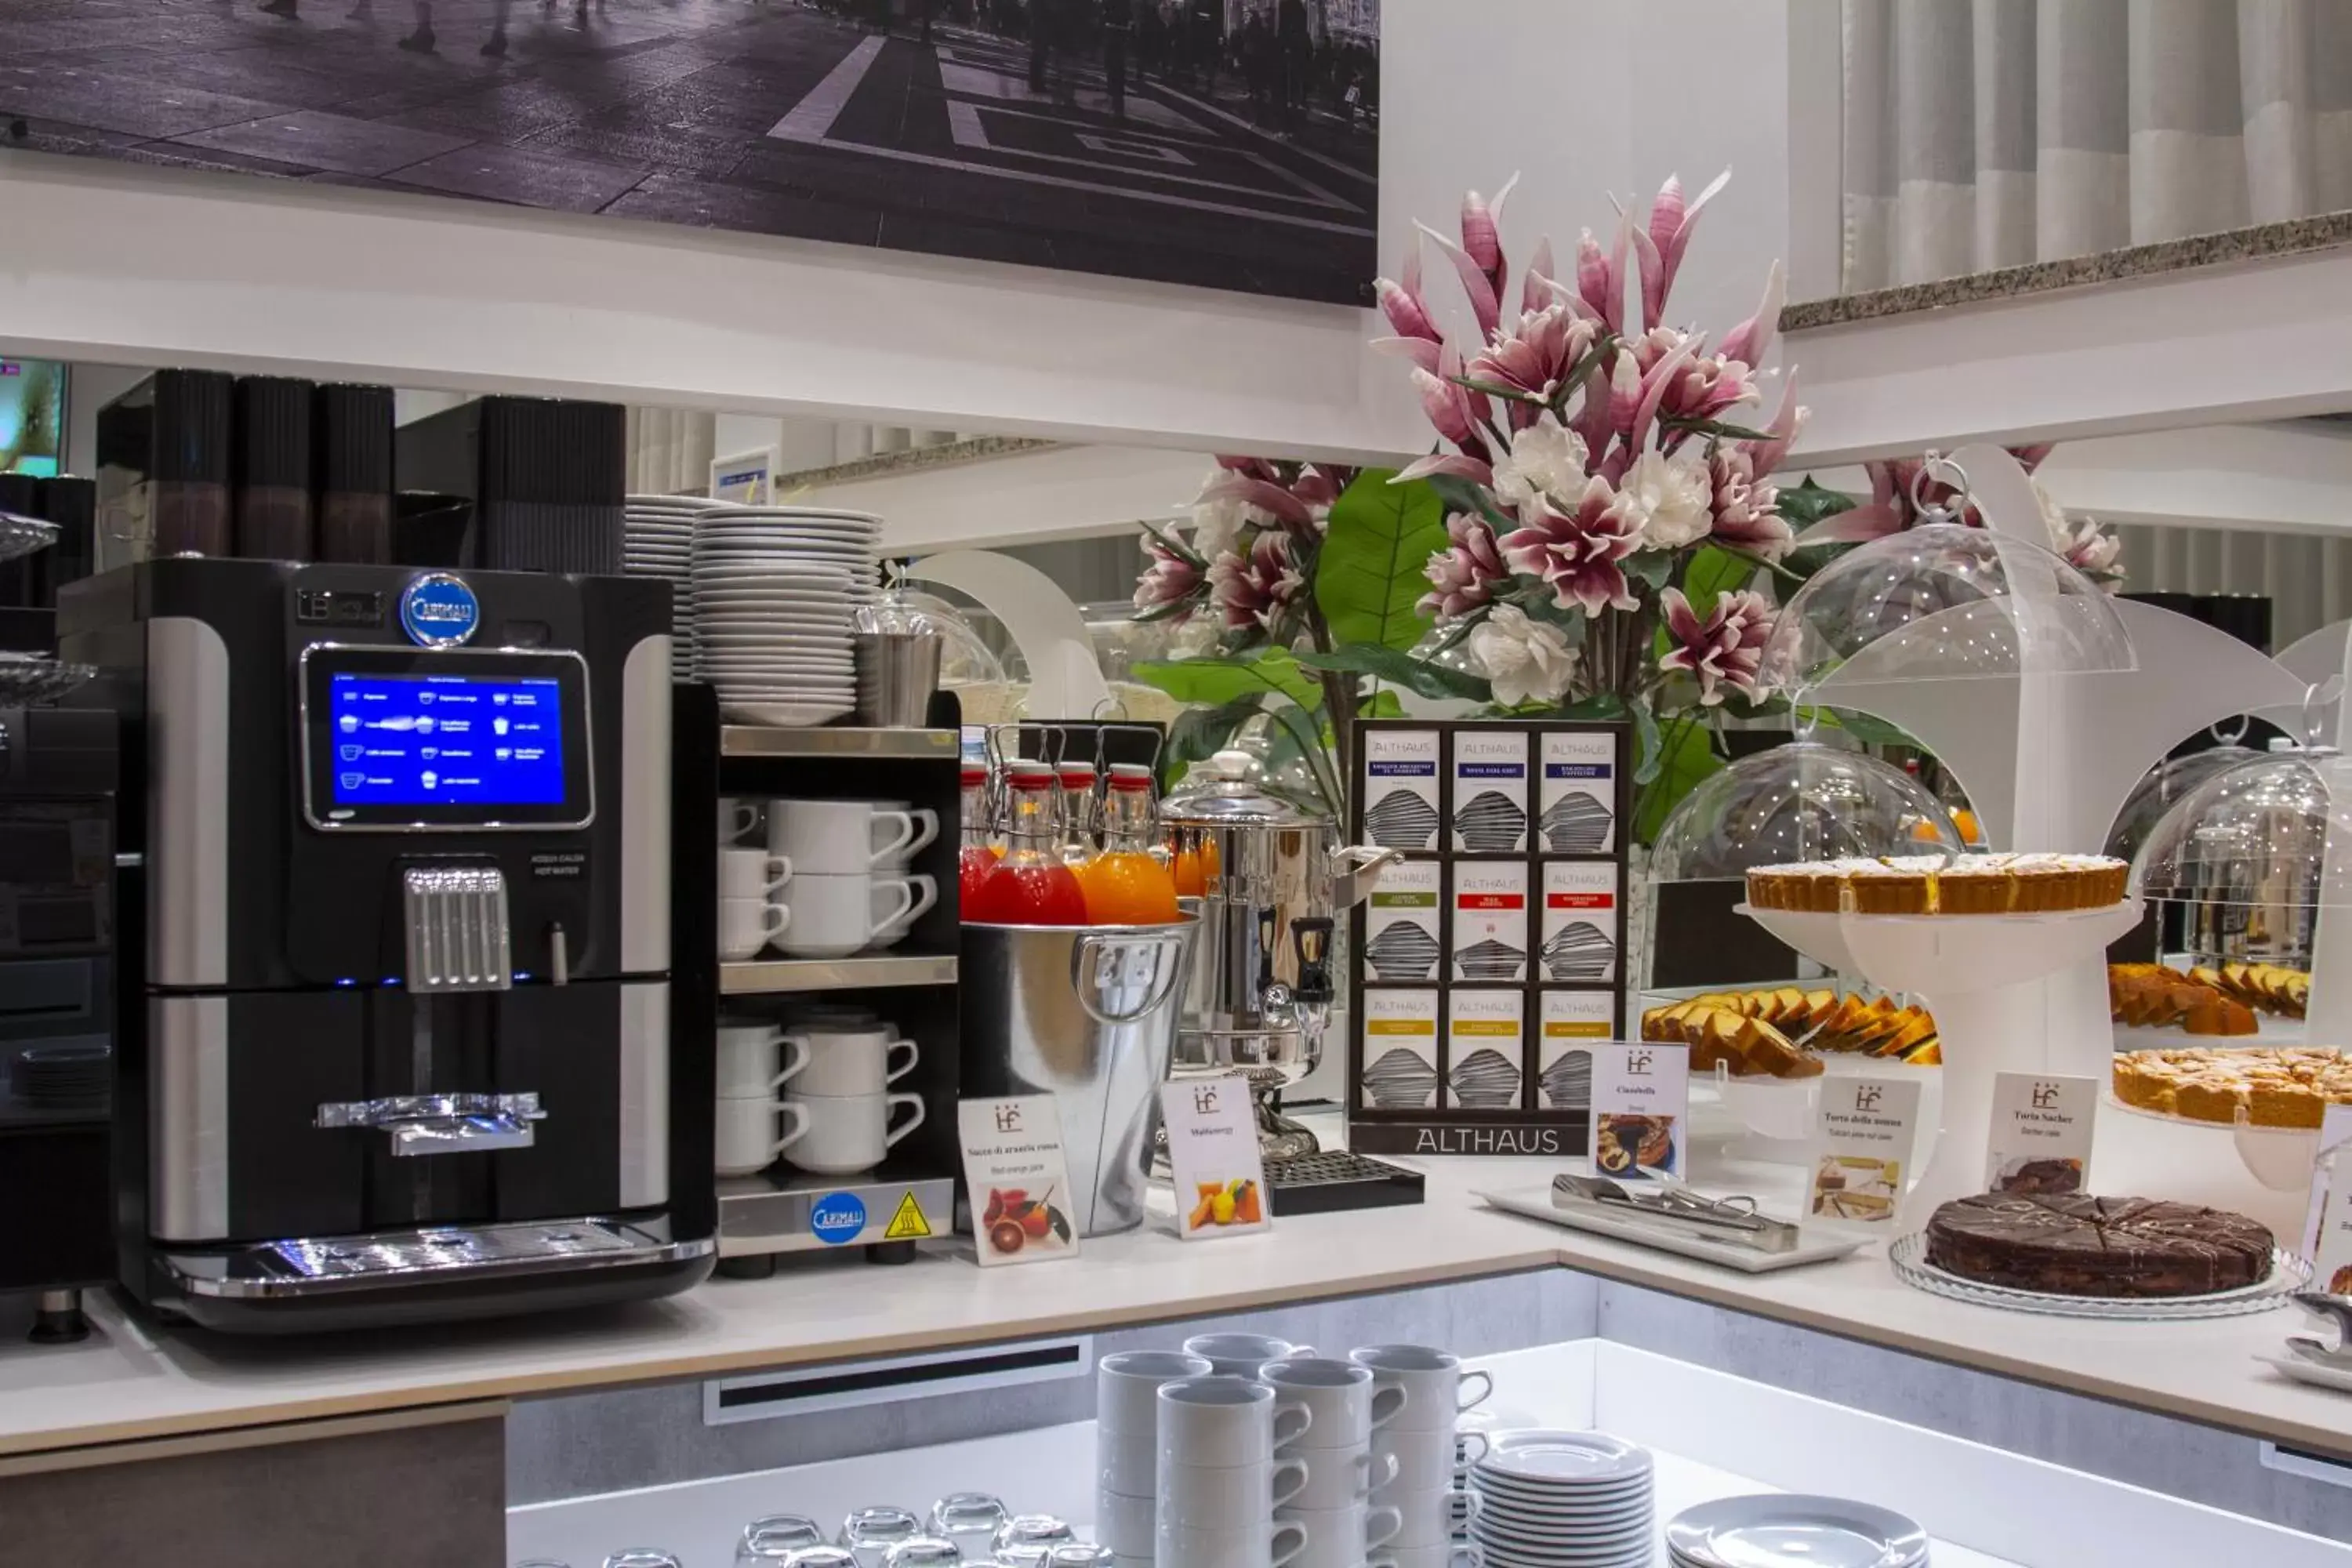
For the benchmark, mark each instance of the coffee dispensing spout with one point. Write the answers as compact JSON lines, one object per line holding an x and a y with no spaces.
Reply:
{"x":1276,"y":1005}
{"x":1311,"y":937}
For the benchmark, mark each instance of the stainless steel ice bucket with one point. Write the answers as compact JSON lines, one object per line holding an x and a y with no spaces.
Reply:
{"x":1088,"y":1014}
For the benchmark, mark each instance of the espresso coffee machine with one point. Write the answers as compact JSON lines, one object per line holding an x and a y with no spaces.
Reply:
{"x":396,"y":1042}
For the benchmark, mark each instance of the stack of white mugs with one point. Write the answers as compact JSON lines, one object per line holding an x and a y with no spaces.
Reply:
{"x":833,"y":878}
{"x":1245,"y":1451}
{"x":836,"y":1114}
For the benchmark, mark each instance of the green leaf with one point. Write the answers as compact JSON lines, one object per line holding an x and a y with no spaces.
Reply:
{"x":1685,"y":758}
{"x":1802,"y":506}
{"x":1382,"y":704}
{"x":1649,"y":755}
{"x":1713,"y":572}
{"x":1369,"y":575}
{"x":1268,"y":672}
{"x":1399,"y":669}
{"x":1649,"y":567}
{"x":1460,"y":495}
{"x":1864,"y":726}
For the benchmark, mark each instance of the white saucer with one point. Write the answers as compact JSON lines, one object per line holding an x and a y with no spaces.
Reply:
{"x":783,"y":713}
{"x":1557,"y":1460}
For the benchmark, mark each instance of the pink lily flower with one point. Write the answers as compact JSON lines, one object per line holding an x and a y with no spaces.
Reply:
{"x":1171,"y":585}
{"x":1485,"y":304}
{"x":1669,"y":236}
{"x":1537,"y":289}
{"x":1726,"y":648}
{"x":1272,"y":498}
{"x":1481,"y":238}
{"x":1706,"y":387}
{"x":1254,"y":586}
{"x":1601,"y":279}
{"x":1452,"y":408}
{"x":1745,"y":517}
{"x":1765,"y":455}
{"x":1533,"y":355}
{"x":1577,"y":553}
{"x":1751,"y":340}
{"x":1463,"y":577}
{"x":1453,"y":465}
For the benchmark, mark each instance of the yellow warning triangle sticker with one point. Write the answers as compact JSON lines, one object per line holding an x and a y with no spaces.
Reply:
{"x":909,"y":1222}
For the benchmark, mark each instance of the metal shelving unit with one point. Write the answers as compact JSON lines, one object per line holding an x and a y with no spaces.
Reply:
{"x":777,"y":977}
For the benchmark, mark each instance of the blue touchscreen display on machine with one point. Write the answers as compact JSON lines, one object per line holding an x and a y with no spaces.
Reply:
{"x":445,"y":740}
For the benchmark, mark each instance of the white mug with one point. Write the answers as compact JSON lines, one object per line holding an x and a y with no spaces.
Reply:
{"x":1266,"y":1544}
{"x":852,"y":1061}
{"x":1426,"y":1518}
{"x":747,"y":1138}
{"x":748,"y":1059}
{"x":1127,"y":1463}
{"x":1126,"y":1388}
{"x":736,"y":818}
{"x":1226,"y":1497}
{"x":751,"y":873}
{"x":836,"y":914}
{"x":849,"y":1132}
{"x":747,"y":925}
{"x":1423,"y":1459}
{"x":1337,"y":1477}
{"x":1125,"y":1523}
{"x":1346,"y":1402}
{"x":1339,"y":1537}
{"x":1432,"y":1380}
{"x":836,"y":836}
{"x":1454,"y":1554}
{"x":1240,"y":1356}
{"x":893,"y":847}
{"x":1222,"y":1420}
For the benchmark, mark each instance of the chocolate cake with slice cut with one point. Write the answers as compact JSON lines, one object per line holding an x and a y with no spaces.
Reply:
{"x":2072,"y":1244}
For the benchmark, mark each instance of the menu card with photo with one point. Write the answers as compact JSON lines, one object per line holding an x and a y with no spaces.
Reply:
{"x":1212,"y":1156}
{"x":2328,"y":1232}
{"x":1014,"y":1169}
{"x":1864,"y":1141}
{"x":1641,"y":1108}
{"x":2039,"y":1140}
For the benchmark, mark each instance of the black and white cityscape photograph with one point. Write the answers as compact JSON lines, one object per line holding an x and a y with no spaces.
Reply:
{"x":1227,"y":143}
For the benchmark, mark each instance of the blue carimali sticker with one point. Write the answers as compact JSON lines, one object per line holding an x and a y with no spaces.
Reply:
{"x":438,"y":610}
{"x":837,"y":1217}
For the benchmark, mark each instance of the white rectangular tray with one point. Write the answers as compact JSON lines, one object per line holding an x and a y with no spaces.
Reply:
{"x":1536,"y":1203}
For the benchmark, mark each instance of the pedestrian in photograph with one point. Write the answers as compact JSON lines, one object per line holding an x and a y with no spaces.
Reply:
{"x":1119,"y":26}
{"x":1294,"y":47}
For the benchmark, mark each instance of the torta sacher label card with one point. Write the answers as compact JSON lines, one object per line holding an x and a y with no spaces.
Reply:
{"x":1641,"y":1108}
{"x":1014,"y":1169}
{"x":1863,"y":1148}
{"x":1490,"y":790}
{"x":1577,"y":814}
{"x":2330,"y":1228}
{"x":1400,"y":788}
{"x":1213,"y":1154}
{"x":2039,"y":1140}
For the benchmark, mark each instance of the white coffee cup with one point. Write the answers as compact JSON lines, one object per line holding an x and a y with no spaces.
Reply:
{"x":849,"y":1132}
{"x":1127,"y":1463}
{"x":1337,"y":1477}
{"x":831,"y":838}
{"x":893,"y":847}
{"x":747,"y":925}
{"x":1222,"y":1420}
{"x":843,"y":1061}
{"x":751,"y":873}
{"x":1261,"y":1545}
{"x":1240,"y":1356}
{"x":1434,"y":1381}
{"x":1126,"y":1389}
{"x":1226,"y":1497}
{"x":748,"y":1059}
{"x":1426,"y":1518}
{"x":1453,"y":1555}
{"x":747,"y":1137}
{"x":1347,"y":1403}
{"x":736,"y":818}
{"x":1339,"y":1537}
{"x":1424,"y":1460}
{"x":1125,"y":1523}
{"x":836,"y":914}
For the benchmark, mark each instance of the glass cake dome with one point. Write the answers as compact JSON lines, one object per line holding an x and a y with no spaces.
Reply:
{"x":1943,"y":601}
{"x":2247,"y":851}
{"x":2164,"y":786}
{"x":1802,"y":801}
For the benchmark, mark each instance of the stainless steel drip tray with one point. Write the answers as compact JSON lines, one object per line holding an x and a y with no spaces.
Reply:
{"x":433,"y":1255}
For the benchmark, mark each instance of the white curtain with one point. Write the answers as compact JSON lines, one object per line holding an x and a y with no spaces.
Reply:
{"x":1985,"y":134}
{"x":2307,"y":577}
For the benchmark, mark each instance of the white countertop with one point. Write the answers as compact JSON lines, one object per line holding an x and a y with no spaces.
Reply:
{"x":132,"y":1381}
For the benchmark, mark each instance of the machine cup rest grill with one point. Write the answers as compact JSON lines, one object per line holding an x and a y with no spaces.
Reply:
{"x":443,"y":1124}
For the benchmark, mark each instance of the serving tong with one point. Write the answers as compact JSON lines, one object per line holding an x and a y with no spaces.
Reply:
{"x":2334,"y":1310}
{"x":1728,"y":1221}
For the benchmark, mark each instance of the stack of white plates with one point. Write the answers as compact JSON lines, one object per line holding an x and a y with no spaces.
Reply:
{"x":1778,"y":1530}
{"x":1564,"y":1499}
{"x":773,"y":590}
{"x":658,"y":541}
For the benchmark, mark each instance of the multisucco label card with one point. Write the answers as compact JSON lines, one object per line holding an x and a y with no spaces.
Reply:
{"x":2039,"y":1140}
{"x":2330,"y":1248}
{"x":1641,"y":1108}
{"x":1213,"y":1156}
{"x":1019,"y":1181}
{"x":1863,"y":1149}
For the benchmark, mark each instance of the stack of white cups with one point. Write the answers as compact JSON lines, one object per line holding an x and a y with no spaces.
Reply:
{"x":1421,"y":1442}
{"x":1219,"y":1481}
{"x":1127,"y":1446}
{"x":1344,"y":1408}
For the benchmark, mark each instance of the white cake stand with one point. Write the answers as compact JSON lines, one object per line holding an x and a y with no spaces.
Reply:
{"x":2003,"y":990}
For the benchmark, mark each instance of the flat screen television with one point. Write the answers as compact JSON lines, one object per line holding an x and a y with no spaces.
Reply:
{"x":32,"y":418}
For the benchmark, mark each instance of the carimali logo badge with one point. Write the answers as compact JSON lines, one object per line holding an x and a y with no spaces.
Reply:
{"x":438,"y":610}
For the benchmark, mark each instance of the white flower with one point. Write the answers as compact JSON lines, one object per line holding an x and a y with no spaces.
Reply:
{"x":1672,"y":498}
{"x":1526,"y":660}
{"x":2054,"y":519}
{"x":1217,"y":526}
{"x":2093,"y":551}
{"x":1547,"y":458}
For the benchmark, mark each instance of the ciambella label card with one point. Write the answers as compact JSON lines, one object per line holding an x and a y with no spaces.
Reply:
{"x":1863,"y":1149}
{"x":1641,"y":1108}
{"x":2039,"y":1140}
{"x":1019,"y":1181}
{"x":1213,"y":1154}
{"x":2330,"y":1248}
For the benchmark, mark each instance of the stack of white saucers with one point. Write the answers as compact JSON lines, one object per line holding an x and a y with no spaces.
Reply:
{"x":1780,"y":1529}
{"x":824,"y":536}
{"x":658,"y":541}
{"x":771,"y":634}
{"x":1563,"y":1499}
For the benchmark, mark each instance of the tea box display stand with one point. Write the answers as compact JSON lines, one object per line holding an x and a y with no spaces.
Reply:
{"x":1487,"y":961}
